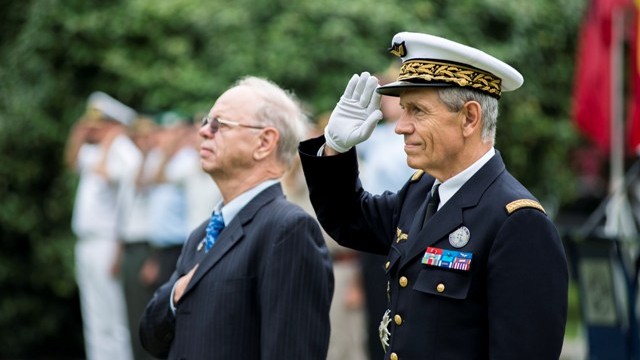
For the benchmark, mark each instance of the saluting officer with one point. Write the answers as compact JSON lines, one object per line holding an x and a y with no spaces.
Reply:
{"x":476,"y":269}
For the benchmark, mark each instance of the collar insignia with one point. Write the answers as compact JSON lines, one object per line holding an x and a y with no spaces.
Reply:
{"x":417,"y":175}
{"x":400,"y":236}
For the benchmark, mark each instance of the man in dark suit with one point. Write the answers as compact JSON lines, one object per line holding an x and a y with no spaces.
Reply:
{"x":475,"y":268}
{"x":261,"y":287}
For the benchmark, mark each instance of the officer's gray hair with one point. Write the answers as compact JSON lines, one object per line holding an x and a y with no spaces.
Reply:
{"x":281,"y":110}
{"x":454,"y":98}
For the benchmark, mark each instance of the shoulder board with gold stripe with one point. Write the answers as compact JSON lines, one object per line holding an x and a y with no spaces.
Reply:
{"x":417,"y":175}
{"x":523,"y":203}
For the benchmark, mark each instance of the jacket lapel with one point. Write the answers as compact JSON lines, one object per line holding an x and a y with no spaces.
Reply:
{"x":450,"y":216}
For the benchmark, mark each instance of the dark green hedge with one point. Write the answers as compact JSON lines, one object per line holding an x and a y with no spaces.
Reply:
{"x":180,"y":54}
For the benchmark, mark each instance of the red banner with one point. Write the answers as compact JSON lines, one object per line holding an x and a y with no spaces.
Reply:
{"x":591,"y":108}
{"x":634,"y":86}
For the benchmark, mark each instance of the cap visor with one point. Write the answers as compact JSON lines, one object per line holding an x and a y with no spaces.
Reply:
{"x":398,"y":87}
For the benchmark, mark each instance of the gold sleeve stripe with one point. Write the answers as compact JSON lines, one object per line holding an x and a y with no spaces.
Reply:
{"x":417,"y":175}
{"x":524,"y":203}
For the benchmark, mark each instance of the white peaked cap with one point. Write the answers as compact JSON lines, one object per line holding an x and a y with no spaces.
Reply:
{"x":111,"y":107}
{"x":429,"y":60}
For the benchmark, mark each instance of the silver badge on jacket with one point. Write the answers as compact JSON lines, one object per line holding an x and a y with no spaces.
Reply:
{"x":383,"y":330}
{"x":460,"y":237}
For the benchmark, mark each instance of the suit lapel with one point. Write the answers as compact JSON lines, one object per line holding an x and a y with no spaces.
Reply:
{"x":233,"y":233}
{"x":450,"y":216}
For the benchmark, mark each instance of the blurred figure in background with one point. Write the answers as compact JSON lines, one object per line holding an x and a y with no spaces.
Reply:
{"x":135,"y":234}
{"x":348,"y":336}
{"x":166,"y":172}
{"x":99,"y":149}
{"x":383,"y":167}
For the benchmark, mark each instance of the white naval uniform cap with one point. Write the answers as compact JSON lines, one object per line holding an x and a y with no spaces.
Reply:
{"x":429,"y":61}
{"x":108,"y":106}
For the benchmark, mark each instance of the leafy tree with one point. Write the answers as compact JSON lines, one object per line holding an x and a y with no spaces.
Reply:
{"x":157,"y":55}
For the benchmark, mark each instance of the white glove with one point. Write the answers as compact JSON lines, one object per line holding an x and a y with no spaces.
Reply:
{"x":356,"y":114}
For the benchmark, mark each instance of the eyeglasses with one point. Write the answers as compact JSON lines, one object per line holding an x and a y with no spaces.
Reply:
{"x":214,"y":123}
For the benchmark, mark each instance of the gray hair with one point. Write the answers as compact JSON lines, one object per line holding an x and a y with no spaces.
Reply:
{"x":281,"y":110}
{"x":455,"y":97}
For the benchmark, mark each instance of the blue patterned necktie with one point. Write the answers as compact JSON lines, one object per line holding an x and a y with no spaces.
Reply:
{"x":216,"y":224}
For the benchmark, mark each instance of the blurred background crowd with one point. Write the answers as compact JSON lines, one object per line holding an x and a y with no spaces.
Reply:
{"x":169,"y":60}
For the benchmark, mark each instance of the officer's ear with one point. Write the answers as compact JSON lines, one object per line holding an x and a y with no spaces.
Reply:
{"x":472,"y":122}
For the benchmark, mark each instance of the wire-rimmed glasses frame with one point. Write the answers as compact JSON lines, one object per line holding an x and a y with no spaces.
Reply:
{"x":215,"y":121}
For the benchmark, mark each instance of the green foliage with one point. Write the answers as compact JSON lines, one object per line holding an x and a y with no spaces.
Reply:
{"x":156,"y":55}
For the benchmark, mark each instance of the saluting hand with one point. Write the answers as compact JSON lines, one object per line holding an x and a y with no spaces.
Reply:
{"x":356,"y":114}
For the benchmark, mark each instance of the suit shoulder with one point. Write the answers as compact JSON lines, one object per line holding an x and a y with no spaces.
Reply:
{"x":289,"y":210}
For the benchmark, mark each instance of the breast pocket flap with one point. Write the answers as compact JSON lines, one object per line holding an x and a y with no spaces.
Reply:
{"x":443,"y":282}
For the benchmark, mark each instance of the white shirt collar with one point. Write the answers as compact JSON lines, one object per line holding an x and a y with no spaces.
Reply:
{"x":230,"y":210}
{"x":451,"y":186}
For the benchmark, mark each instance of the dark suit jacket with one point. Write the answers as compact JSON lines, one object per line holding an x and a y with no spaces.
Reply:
{"x":262,"y":292}
{"x":510,"y":304}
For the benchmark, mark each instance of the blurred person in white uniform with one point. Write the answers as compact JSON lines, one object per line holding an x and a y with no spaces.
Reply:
{"x":103,"y":155}
{"x":134,"y":237}
{"x":168,"y":172}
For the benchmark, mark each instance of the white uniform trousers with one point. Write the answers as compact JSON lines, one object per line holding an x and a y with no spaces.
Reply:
{"x":106,"y":334}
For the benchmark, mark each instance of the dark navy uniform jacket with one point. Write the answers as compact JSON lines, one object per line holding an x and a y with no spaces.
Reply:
{"x":512,"y":301}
